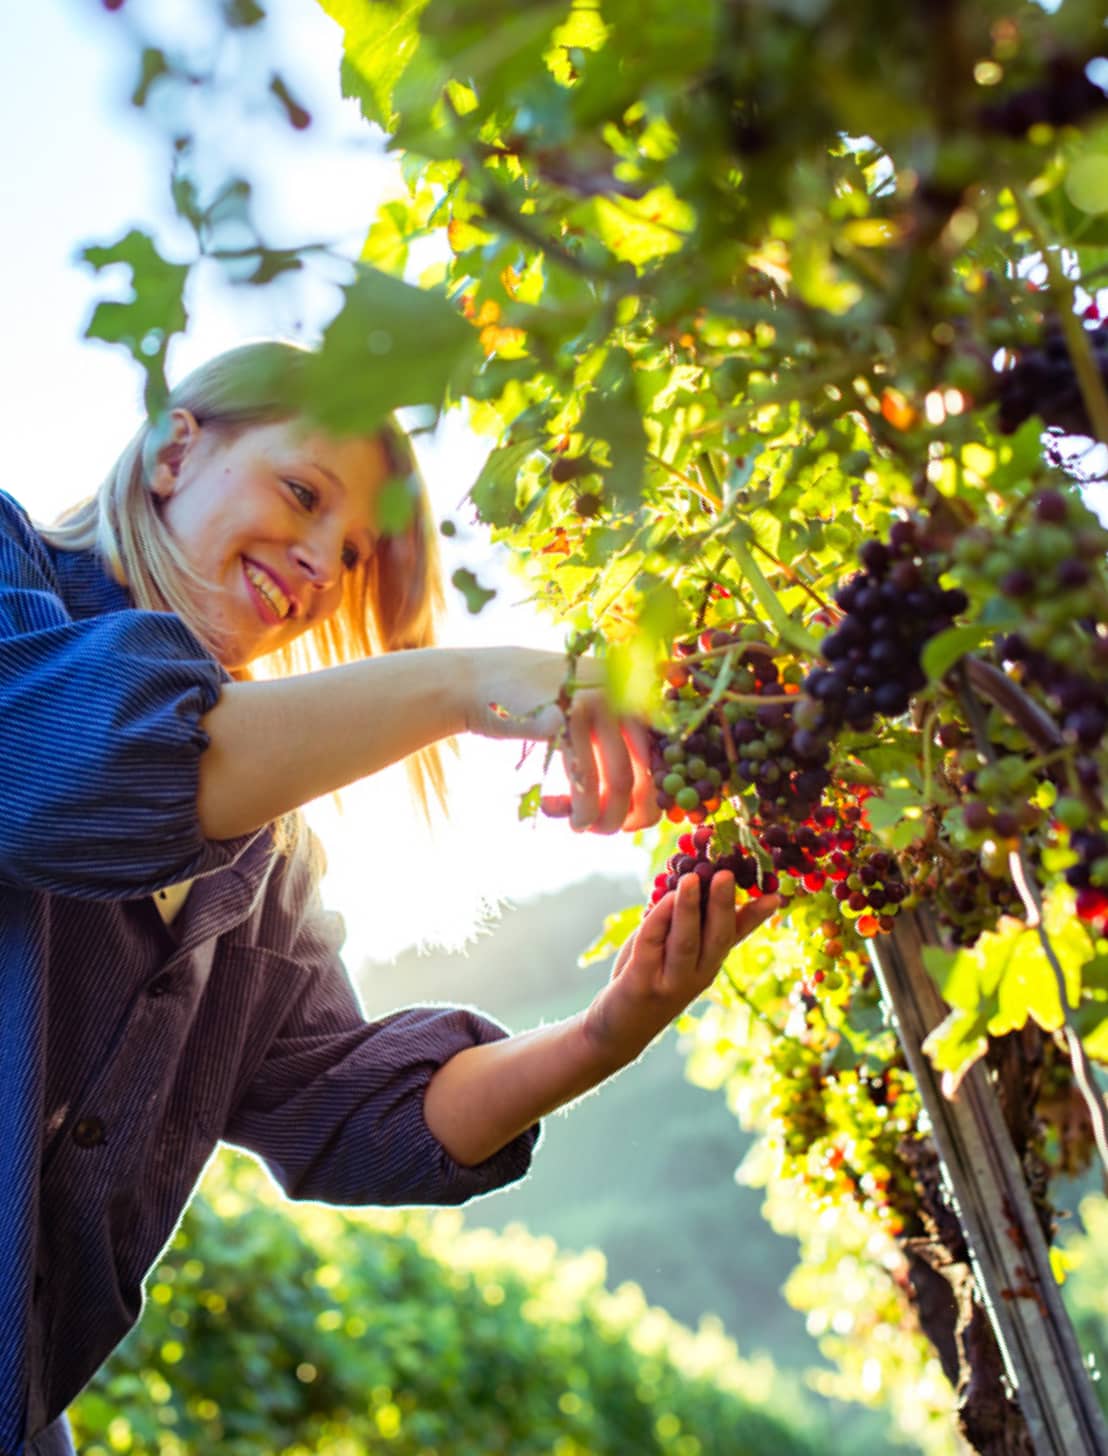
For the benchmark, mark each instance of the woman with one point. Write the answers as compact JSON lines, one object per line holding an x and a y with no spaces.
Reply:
{"x":169,"y":978}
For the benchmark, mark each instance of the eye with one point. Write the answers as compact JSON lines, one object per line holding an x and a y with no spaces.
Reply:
{"x":350,"y":556}
{"x":307,"y":497}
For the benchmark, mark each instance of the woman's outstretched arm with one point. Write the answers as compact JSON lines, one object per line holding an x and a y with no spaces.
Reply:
{"x":275,"y":746}
{"x":484,"y":1096}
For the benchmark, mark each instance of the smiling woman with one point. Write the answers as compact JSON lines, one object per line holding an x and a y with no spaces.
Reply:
{"x":189,"y":498}
{"x":138,"y":755}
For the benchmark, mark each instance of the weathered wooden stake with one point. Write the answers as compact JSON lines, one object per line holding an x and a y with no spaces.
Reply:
{"x":1010,"y":1256}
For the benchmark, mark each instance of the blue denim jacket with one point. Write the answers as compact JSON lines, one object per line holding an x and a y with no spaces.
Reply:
{"x":130,"y":1048}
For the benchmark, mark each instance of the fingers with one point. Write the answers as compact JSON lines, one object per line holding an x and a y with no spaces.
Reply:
{"x":683,"y":940}
{"x":755,"y":913}
{"x":718,"y":935}
{"x":644,"y":809}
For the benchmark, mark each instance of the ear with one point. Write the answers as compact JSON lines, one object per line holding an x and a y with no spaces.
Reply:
{"x":166,"y":448}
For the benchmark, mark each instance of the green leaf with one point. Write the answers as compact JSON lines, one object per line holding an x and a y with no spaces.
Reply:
{"x":477,"y":597}
{"x":618,"y":928}
{"x":391,"y":346}
{"x":613,"y":415}
{"x":379,"y":40}
{"x":396,"y":503}
{"x":146,"y":322}
{"x":529,"y":802}
{"x":944,"y":650}
{"x":495,"y":491}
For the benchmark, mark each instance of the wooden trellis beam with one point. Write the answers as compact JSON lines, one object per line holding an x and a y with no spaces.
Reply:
{"x":1010,"y":1256}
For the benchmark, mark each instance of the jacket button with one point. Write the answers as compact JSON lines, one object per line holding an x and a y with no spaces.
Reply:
{"x":88,"y":1132}
{"x":159,"y":986}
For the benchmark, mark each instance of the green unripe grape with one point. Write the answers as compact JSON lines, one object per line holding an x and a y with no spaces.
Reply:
{"x":673,"y":753}
{"x":794,"y":674}
{"x":1099,"y":871}
{"x":1026,"y":551}
{"x":1056,"y":613}
{"x":1053,"y":542}
{"x":743,"y":680}
{"x":1038,"y":635}
{"x":756,"y":750}
{"x":696,"y":768}
{"x":1068,"y":651}
{"x":990,"y":781}
{"x":997,"y":564}
{"x":732,"y":712}
{"x":970,"y":549}
{"x":672,"y":784}
{"x":714,"y":777}
{"x":687,"y":798}
{"x":833,"y":980}
{"x":1071,"y":812}
{"x":774,"y":740}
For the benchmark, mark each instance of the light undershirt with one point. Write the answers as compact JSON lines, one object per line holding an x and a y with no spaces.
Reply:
{"x":170,"y":900}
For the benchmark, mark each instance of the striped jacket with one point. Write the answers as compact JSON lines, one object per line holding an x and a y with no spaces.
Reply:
{"x":129,"y":1048}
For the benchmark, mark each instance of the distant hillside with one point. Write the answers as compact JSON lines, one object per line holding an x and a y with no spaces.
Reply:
{"x":644,"y":1167}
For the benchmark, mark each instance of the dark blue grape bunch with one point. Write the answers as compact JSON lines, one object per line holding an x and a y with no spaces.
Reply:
{"x":892,"y":608}
{"x":1043,"y":382}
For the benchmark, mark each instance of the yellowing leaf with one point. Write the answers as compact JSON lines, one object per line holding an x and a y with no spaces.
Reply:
{"x":617,"y":928}
{"x":638,"y":230}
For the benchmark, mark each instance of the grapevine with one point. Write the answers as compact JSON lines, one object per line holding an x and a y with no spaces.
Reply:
{"x":782,"y":320}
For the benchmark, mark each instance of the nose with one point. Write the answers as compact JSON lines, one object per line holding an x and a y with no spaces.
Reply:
{"x":319,"y":558}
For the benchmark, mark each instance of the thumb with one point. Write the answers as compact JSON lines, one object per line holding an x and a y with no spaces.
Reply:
{"x":755,"y":913}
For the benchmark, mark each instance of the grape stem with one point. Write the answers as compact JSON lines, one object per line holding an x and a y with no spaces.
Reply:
{"x":1028,"y":890}
{"x":1093,"y":393}
{"x":709,"y":499}
{"x":789,"y":631}
{"x":797,"y":579}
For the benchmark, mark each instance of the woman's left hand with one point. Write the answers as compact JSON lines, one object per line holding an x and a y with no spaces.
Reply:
{"x":668,"y":962}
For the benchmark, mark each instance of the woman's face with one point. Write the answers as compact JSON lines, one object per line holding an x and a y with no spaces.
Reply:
{"x":273,"y":518}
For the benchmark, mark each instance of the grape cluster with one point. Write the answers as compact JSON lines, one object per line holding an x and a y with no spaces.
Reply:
{"x":694,"y":857}
{"x":1054,"y":572}
{"x":968,"y":899}
{"x":892,"y":607}
{"x":1079,"y":705}
{"x":872,"y":890}
{"x":1064,"y":97}
{"x":1043,"y":382}
{"x":753,"y":741}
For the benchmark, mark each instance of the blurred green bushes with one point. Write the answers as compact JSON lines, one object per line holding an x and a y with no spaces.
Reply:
{"x":277,"y":1329}
{"x":1086,"y":1288}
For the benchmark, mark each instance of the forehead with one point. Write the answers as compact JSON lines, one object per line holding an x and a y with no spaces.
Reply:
{"x":359,"y":462}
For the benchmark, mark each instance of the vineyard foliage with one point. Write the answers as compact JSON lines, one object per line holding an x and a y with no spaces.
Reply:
{"x":310,"y":1329}
{"x":783,"y":323}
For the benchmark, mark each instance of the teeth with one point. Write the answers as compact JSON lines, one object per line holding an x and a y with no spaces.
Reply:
{"x":269,"y":590}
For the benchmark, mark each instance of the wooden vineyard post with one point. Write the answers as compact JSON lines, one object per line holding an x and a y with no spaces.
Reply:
{"x":986,"y":1184}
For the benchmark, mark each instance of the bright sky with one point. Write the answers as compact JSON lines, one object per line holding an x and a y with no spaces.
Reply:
{"x":81,"y":166}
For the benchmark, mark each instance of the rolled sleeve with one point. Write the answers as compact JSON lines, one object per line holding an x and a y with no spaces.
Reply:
{"x":338,"y":1116}
{"x":100,"y":738}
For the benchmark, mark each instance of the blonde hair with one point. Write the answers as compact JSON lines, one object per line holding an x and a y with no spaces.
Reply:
{"x":390,"y":602}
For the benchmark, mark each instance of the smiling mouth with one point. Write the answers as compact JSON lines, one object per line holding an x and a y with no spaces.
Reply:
{"x":275,"y":603}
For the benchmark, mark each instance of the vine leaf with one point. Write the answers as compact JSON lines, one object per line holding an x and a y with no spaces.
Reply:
{"x":392,"y":345}
{"x":617,"y":928}
{"x":144,"y":323}
{"x":949,"y":647}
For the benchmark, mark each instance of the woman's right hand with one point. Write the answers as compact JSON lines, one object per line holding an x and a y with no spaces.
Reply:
{"x":514,"y":693}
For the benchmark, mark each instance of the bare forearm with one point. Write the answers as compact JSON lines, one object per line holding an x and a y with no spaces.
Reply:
{"x":483,"y":1097}
{"x":277,"y":745}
